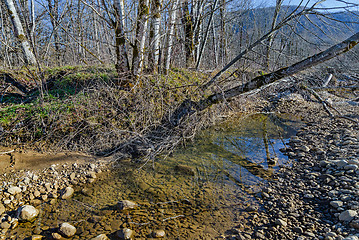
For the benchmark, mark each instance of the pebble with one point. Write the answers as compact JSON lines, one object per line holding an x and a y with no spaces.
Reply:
{"x":14,"y":190}
{"x":100,"y":237}
{"x":125,"y":234}
{"x":56,"y":236}
{"x":67,"y":193}
{"x":37,"y":237}
{"x":347,"y":216}
{"x":126,"y":204}
{"x":281,"y":222}
{"x":158,"y":233}
{"x":67,"y":230}
{"x":5,"y":225}
{"x":336,"y":204}
{"x":2,"y":209}
{"x":26,"y":213}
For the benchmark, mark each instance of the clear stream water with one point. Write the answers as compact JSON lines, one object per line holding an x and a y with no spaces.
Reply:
{"x":199,"y":192}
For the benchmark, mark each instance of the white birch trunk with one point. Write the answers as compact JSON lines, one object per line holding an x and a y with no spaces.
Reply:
{"x":156,"y":34}
{"x":141,"y":51}
{"x":19,"y":33}
{"x":170,"y":35}
{"x":141,"y":29}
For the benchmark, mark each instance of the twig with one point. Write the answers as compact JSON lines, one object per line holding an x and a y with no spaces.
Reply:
{"x":170,"y":218}
{"x":2,"y":153}
{"x":328,"y":80}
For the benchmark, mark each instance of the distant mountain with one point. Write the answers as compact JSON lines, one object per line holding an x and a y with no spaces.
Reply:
{"x":331,"y":27}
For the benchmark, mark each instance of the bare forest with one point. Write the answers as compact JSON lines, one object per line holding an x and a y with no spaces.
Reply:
{"x":156,"y":61}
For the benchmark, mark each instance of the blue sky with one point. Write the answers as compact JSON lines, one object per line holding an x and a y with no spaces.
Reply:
{"x":326,"y":4}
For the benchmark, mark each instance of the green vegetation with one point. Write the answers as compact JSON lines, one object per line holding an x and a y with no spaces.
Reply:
{"x":84,"y":108}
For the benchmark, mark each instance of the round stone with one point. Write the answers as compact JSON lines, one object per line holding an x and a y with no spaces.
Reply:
{"x":347,"y":215}
{"x":67,"y":230}
{"x":158,"y":233}
{"x":67,"y":193}
{"x":14,"y":190}
{"x":26,"y":213}
{"x":126,"y":204}
{"x":124,"y":234}
{"x":101,"y":237}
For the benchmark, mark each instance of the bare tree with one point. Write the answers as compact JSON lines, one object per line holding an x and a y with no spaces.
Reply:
{"x":19,"y":33}
{"x":172,"y":21}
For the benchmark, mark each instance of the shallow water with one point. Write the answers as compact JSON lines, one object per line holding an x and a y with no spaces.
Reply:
{"x":199,"y":192}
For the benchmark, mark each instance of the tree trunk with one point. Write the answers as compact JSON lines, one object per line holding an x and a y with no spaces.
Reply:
{"x":206,"y":34}
{"x":139,"y":46}
{"x":156,"y":33}
{"x":187,"y":21}
{"x":54,"y":19}
{"x":271,"y":37}
{"x":122,"y":63}
{"x":19,"y":33}
{"x":170,"y":35}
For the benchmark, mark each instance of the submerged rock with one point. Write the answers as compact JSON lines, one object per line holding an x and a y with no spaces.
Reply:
{"x":126,"y":204}
{"x":26,"y":213}
{"x":125,"y":234}
{"x":184,"y":169}
{"x":159,"y":233}
{"x":67,"y":230}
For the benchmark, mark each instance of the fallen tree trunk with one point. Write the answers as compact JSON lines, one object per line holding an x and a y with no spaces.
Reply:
{"x":188,"y":107}
{"x":9,"y":79}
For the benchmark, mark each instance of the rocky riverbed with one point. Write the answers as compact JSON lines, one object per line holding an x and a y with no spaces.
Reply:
{"x":317,"y":197}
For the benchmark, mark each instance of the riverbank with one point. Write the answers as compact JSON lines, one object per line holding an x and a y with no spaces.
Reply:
{"x":318,"y":197}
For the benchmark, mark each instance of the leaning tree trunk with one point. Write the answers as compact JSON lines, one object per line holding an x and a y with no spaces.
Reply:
{"x":189,"y":107}
{"x":19,"y":33}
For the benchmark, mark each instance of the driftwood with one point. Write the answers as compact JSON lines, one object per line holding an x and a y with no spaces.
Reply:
{"x":327,"y":105}
{"x":189,"y":107}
